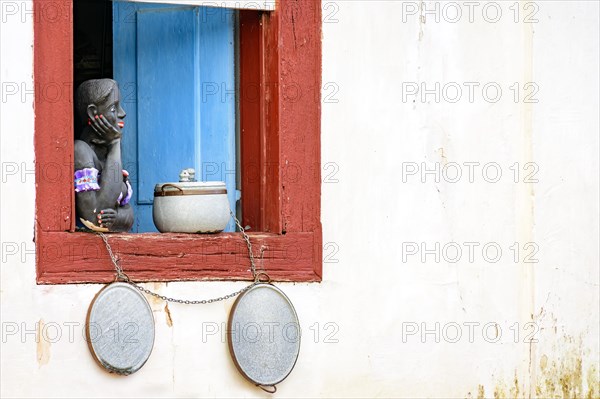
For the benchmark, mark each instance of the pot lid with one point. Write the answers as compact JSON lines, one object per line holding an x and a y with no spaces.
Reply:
{"x":190,"y":188}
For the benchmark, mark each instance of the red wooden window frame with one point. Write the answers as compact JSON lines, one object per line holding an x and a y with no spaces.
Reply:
{"x":280,"y":79}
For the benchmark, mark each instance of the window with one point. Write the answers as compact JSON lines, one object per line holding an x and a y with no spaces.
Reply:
{"x":279,"y":151}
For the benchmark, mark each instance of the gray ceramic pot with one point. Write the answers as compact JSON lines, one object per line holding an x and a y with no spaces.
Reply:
{"x":190,"y":207}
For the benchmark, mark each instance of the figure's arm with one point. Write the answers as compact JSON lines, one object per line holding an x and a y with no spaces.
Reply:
{"x":121,"y":218}
{"x":104,"y":193}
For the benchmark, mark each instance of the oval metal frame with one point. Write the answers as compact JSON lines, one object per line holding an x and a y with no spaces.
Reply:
{"x":103,"y":364}
{"x":230,"y":344}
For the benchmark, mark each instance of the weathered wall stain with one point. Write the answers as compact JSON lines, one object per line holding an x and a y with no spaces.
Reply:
{"x":156,"y":287}
{"x":503,"y":391}
{"x":500,"y":391}
{"x":560,"y":374}
{"x":593,"y":382}
{"x":168,"y":315}
{"x":43,"y":345}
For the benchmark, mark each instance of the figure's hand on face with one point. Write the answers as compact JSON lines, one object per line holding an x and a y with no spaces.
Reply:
{"x":107,"y":217}
{"x":105,"y":129}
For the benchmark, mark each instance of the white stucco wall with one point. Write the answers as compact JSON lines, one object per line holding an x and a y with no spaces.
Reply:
{"x":376,"y":213}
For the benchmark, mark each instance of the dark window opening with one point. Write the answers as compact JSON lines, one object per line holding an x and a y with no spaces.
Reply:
{"x":92,"y":44}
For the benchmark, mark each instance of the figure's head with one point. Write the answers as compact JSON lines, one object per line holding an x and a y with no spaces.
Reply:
{"x":100,"y":97}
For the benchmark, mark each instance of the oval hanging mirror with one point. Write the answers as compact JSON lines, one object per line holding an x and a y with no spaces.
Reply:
{"x":264,"y":335}
{"x":120,"y":328}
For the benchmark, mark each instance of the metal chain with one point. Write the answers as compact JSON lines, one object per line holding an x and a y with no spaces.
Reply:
{"x":189,"y":302}
{"x":248,"y":244}
{"x":256,"y":276}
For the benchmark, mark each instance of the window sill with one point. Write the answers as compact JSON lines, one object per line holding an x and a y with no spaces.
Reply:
{"x":66,"y":258}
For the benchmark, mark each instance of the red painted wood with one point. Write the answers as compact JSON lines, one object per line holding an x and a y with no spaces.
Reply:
{"x":272,"y":188}
{"x":300,"y":113}
{"x":283,"y":134}
{"x":82,"y":257}
{"x":53,"y":77}
{"x":261,"y":171}
{"x":250,"y":118}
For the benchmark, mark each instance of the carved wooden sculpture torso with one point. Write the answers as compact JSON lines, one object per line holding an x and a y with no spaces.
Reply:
{"x":101,"y":185}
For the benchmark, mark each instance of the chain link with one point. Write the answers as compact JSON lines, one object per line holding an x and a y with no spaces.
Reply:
{"x":248,"y":244}
{"x":256,"y":276}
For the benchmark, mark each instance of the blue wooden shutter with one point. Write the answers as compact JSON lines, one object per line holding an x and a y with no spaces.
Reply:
{"x":175,"y":67}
